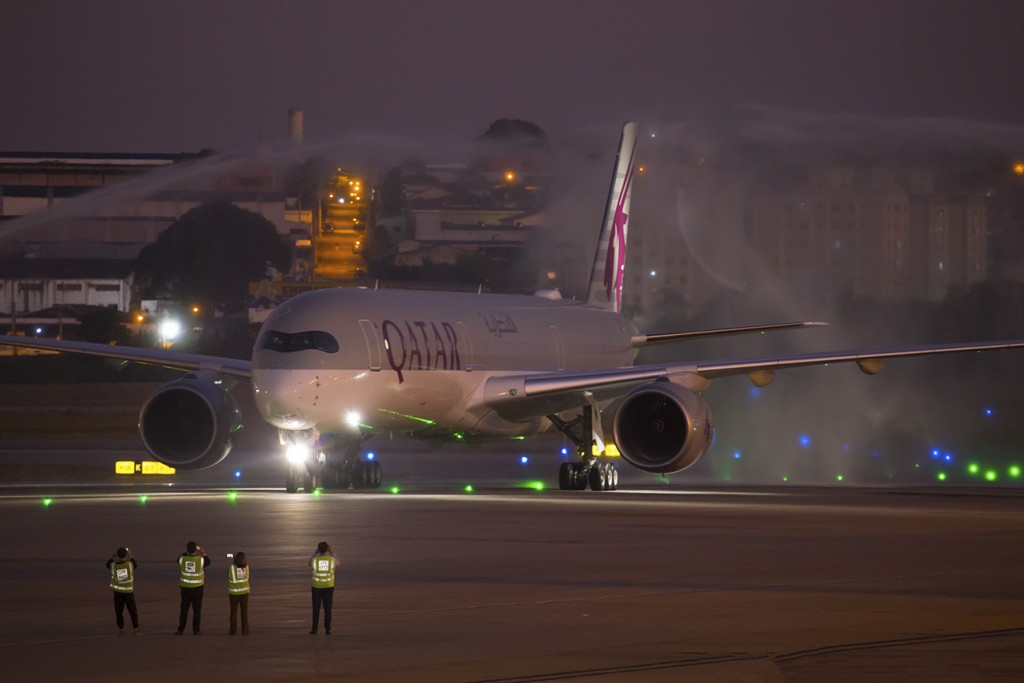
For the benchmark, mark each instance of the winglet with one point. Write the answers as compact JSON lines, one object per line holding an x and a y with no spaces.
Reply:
{"x":608,"y":272}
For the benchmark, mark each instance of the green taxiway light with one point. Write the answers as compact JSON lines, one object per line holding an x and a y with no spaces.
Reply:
{"x":317,"y":491}
{"x":839,"y":477}
{"x":941,"y":476}
{"x":990,"y":475}
{"x":143,"y":499}
{"x":232,"y":496}
{"x":394,"y":489}
{"x":47,"y":502}
{"x":973,"y":468}
{"x":1014,"y":471}
{"x":786,"y":479}
{"x":469,"y":488}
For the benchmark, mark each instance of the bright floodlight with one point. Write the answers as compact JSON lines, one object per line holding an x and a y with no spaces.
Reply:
{"x":170,"y":329}
{"x":353,"y":418}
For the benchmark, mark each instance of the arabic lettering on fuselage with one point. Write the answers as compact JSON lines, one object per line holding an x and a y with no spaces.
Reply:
{"x":421,"y":345}
{"x":499,"y":323}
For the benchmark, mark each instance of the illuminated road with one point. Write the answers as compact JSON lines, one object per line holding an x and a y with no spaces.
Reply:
{"x":513,"y":584}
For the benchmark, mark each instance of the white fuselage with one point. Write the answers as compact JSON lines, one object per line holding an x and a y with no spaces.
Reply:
{"x":415,"y":362}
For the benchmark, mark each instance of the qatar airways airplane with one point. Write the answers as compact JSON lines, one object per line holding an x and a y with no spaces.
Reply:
{"x":333,"y":367}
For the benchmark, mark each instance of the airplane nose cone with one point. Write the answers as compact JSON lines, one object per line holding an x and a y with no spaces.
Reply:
{"x":279,"y":398}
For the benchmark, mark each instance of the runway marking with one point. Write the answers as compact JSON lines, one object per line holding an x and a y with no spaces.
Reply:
{"x":706,"y":660}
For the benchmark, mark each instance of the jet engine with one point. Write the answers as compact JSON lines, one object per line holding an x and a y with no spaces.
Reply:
{"x":661,"y":427}
{"x":189,"y":423}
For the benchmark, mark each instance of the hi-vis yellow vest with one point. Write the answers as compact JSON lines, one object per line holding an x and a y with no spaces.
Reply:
{"x":323,"y":571}
{"x":238,"y":580}
{"x":122,"y":577}
{"x":191,"y":575}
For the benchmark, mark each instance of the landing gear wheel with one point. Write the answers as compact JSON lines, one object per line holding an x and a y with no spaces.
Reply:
{"x":341,"y":477}
{"x":375,"y":475}
{"x":360,"y":475}
{"x":613,"y":471}
{"x":598,"y":480}
{"x":579,"y":481}
{"x":566,"y":476}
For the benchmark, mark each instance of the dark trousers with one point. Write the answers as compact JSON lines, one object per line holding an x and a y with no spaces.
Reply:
{"x":122,"y":600}
{"x":193,"y":597}
{"x":324,"y":596}
{"x":239,"y":603}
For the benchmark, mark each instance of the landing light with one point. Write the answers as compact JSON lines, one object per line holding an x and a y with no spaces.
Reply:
{"x":353,"y":418}
{"x":296,"y":453}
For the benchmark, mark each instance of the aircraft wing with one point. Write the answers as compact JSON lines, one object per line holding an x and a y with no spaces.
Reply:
{"x":650,"y":339}
{"x":168,"y":359}
{"x":546,"y":393}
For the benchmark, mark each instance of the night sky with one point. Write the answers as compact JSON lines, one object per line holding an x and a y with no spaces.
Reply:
{"x":186,"y":75}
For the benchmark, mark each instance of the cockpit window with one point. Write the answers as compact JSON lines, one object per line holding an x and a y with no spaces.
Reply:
{"x":299,"y":341}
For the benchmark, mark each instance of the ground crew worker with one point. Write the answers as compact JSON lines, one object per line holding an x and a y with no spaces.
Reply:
{"x":191,"y":564}
{"x":238,"y":592}
{"x":323,"y":563}
{"x":122,"y":581}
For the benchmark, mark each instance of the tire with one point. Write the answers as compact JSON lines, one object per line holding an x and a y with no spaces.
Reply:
{"x":614,"y":478}
{"x":342,"y":478}
{"x":598,"y":481}
{"x":578,"y":480}
{"x":566,"y":474}
{"x":360,"y":475}
{"x":376,"y":475}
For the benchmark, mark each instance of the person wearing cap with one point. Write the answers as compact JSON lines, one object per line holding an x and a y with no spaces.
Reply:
{"x":122,"y":581}
{"x":323,"y":563}
{"x":191,"y":564}
{"x":238,"y":592}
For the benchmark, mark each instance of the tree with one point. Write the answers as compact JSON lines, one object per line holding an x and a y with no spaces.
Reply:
{"x":211,"y":253}
{"x":514,"y":130}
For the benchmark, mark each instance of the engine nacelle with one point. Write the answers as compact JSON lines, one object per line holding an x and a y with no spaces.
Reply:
{"x":661,"y":427}
{"x":189,"y":423}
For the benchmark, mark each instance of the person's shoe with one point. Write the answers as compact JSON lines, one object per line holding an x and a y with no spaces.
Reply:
{"x":313,"y":632}
{"x":327,"y":632}
{"x":197,"y":633}
{"x":179,"y":631}
{"x":120,"y":631}
{"x":138,"y":632}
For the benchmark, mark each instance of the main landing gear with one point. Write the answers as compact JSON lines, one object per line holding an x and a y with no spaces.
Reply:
{"x":577,"y":475}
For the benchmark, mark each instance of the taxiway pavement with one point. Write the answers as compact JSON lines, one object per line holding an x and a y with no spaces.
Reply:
{"x":512,"y":584}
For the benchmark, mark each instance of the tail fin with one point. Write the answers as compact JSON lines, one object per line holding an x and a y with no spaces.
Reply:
{"x":606,"y":277}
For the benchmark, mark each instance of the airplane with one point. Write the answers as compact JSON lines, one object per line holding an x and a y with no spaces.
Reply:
{"x":331,"y":368}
